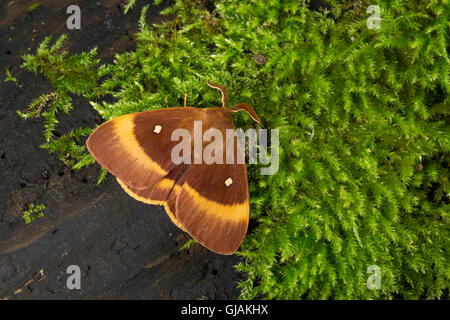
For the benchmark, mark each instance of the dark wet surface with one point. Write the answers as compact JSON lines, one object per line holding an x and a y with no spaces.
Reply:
{"x":125,"y":249}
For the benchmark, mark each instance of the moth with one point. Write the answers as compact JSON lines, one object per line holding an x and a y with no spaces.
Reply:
{"x":208,"y":201}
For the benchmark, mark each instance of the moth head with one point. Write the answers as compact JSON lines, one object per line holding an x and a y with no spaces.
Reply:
{"x":237,"y":107}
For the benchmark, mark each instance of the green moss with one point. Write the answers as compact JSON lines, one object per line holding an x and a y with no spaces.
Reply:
{"x":363,"y":122}
{"x":34,"y":212}
{"x":189,"y":243}
{"x":9,"y":77}
{"x":34,"y":6}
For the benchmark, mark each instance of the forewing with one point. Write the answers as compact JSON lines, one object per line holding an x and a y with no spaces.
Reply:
{"x":136,"y":148}
{"x":212,"y":213}
{"x":213,"y":204}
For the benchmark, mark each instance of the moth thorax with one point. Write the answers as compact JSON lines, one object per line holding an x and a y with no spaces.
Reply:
{"x":157,"y":129}
{"x":228,"y":182}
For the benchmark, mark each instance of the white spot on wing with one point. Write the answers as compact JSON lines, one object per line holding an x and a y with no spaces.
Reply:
{"x":157,"y":129}
{"x":228,"y":182}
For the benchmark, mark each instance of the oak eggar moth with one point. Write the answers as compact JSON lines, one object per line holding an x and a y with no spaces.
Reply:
{"x":208,"y":201}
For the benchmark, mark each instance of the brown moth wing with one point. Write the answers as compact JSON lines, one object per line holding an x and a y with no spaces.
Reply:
{"x":159,"y":193}
{"x":220,"y":224}
{"x":136,"y":147}
{"x":213,"y":204}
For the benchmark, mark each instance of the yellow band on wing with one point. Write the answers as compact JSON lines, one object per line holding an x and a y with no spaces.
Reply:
{"x":237,"y":212}
{"x":169,"y":184}
{"x":129,"y":142}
